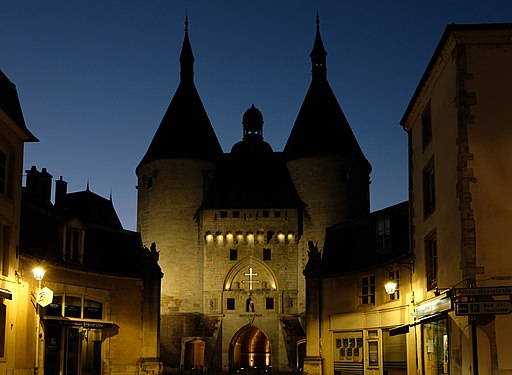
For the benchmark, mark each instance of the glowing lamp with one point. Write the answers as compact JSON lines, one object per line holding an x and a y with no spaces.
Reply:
{"x":280,"y":237}
{"x":38,"y":273}
{"x":390,"y":287}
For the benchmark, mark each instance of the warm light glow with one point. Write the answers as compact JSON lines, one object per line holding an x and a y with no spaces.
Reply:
{"x":250,"y":237}
{"x":209,"y":237}
{"x":38,"y":273}
{"x":390,"y":287}
{"x":290,"y":236}
{"x":229,"y":237}
{"x":220,"y":238}
{"x":280,"y":236}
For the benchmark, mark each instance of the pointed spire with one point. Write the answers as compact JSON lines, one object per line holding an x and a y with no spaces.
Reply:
{"x":87,"y":187}
{"x":318,"y":54}
{"x":186,"y":56}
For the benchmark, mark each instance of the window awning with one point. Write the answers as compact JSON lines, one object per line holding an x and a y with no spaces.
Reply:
{"x":5,"y":294}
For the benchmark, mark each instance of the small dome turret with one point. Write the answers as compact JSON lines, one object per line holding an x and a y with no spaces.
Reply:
{"x":253,"y":123}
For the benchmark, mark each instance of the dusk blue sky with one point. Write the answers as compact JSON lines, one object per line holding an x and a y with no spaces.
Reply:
{"x":95,"y":77}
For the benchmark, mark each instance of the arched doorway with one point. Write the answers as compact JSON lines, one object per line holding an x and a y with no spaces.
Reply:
{"x":250,"y":348}
{"x":194,"y":355}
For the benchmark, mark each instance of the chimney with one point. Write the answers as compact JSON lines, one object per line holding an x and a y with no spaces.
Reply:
{"x":46,"y":186}
{"x":39,"y":184}
{"x":61,"y":189}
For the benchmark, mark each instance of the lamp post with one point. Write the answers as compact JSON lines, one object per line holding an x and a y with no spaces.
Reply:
{"x":38,"y":275}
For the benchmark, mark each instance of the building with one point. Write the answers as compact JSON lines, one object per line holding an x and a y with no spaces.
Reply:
{"x":458,"y":124}
{"x":13,"y":135}
{"x":95,"y":309}
{"x":350,"y":311}
{"x":232,"y":228}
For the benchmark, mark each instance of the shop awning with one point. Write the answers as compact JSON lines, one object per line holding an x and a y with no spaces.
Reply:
{"x":400,"y":330}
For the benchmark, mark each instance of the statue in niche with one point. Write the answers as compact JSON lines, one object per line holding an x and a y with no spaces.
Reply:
{"x":249,"y":305}
{"x":313,"y":252}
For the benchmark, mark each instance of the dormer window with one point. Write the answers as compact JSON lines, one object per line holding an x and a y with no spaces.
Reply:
{"x":73,"y":244}
{"x":383,"y":234}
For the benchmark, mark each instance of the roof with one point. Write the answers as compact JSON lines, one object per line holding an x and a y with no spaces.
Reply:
{"x":185,"y":130}
{"x":10,"y":104}
{"x":108,"y":248}
{"x":321,"y":127}
{"x":252,"y":176}
{"x":449,"y":30}
{"x":92,"y":208}
{"x":352,"y":246}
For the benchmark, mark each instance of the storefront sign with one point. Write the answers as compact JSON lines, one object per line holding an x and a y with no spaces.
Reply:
{"x":81,"y":323}
{"x":483,"y":308}
{"x":45,"y":296}
{"x":433,"y":306}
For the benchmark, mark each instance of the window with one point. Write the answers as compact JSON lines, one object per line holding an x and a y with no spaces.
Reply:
{"x":72,"y":245}
{"x":383,"y":234}
{"x":230,"y":304}
{"x":426,"y":126}
{"x":269,"y":303}
{"x":429,"y":191}
{"x":267,"y":254}
{"x":436,"y":347}
{"x":233,"y":254}
{"x":266,"y":213}
{"x":74,"y":307}
{"x":236,"y":214}
{"x":270,"y":234}
{"x":277,"y":213}
{"x":5,"y":246}
{"x":223,"y":214}
{"x":348,"y":349}
{"x":54,"y":308}
{"x":3,"y":172}
{"x":431,"y":260}
{"x":368,"y":290}
{"x":93,"y":309}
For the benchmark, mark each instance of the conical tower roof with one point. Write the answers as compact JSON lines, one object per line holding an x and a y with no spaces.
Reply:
{"x":185,"y":130}
{"x":321,"y":127}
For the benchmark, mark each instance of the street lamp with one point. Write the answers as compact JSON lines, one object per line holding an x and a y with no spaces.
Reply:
{"x":390,"y":287}
{"x":38,"y":275}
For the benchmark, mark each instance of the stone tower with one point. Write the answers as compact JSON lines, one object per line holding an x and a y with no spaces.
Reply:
{"x":172,"y":180}
{"x":232,"y":228}
{"x":330,"y":172}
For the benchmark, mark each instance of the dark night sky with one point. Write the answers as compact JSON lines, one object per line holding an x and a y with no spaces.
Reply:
{"x":95,"y":77}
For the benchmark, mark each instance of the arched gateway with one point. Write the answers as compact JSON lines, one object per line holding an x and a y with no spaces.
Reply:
{"x":249,"y":348}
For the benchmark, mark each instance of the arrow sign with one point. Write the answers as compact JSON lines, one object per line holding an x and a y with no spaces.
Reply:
{"x":483,"y":308}
{"x":486,"y":291}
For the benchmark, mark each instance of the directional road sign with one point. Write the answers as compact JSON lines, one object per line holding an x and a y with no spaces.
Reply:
{"x":483,"y":308}
{"x":486,"y":291}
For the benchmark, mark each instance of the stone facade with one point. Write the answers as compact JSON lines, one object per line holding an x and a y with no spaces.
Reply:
{"x":232,"y":228}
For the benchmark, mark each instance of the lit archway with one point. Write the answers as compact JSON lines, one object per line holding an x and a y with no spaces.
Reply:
{"x":250,"y":348}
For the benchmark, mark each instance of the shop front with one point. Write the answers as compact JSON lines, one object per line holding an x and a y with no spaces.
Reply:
{"x":74,"y":334}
